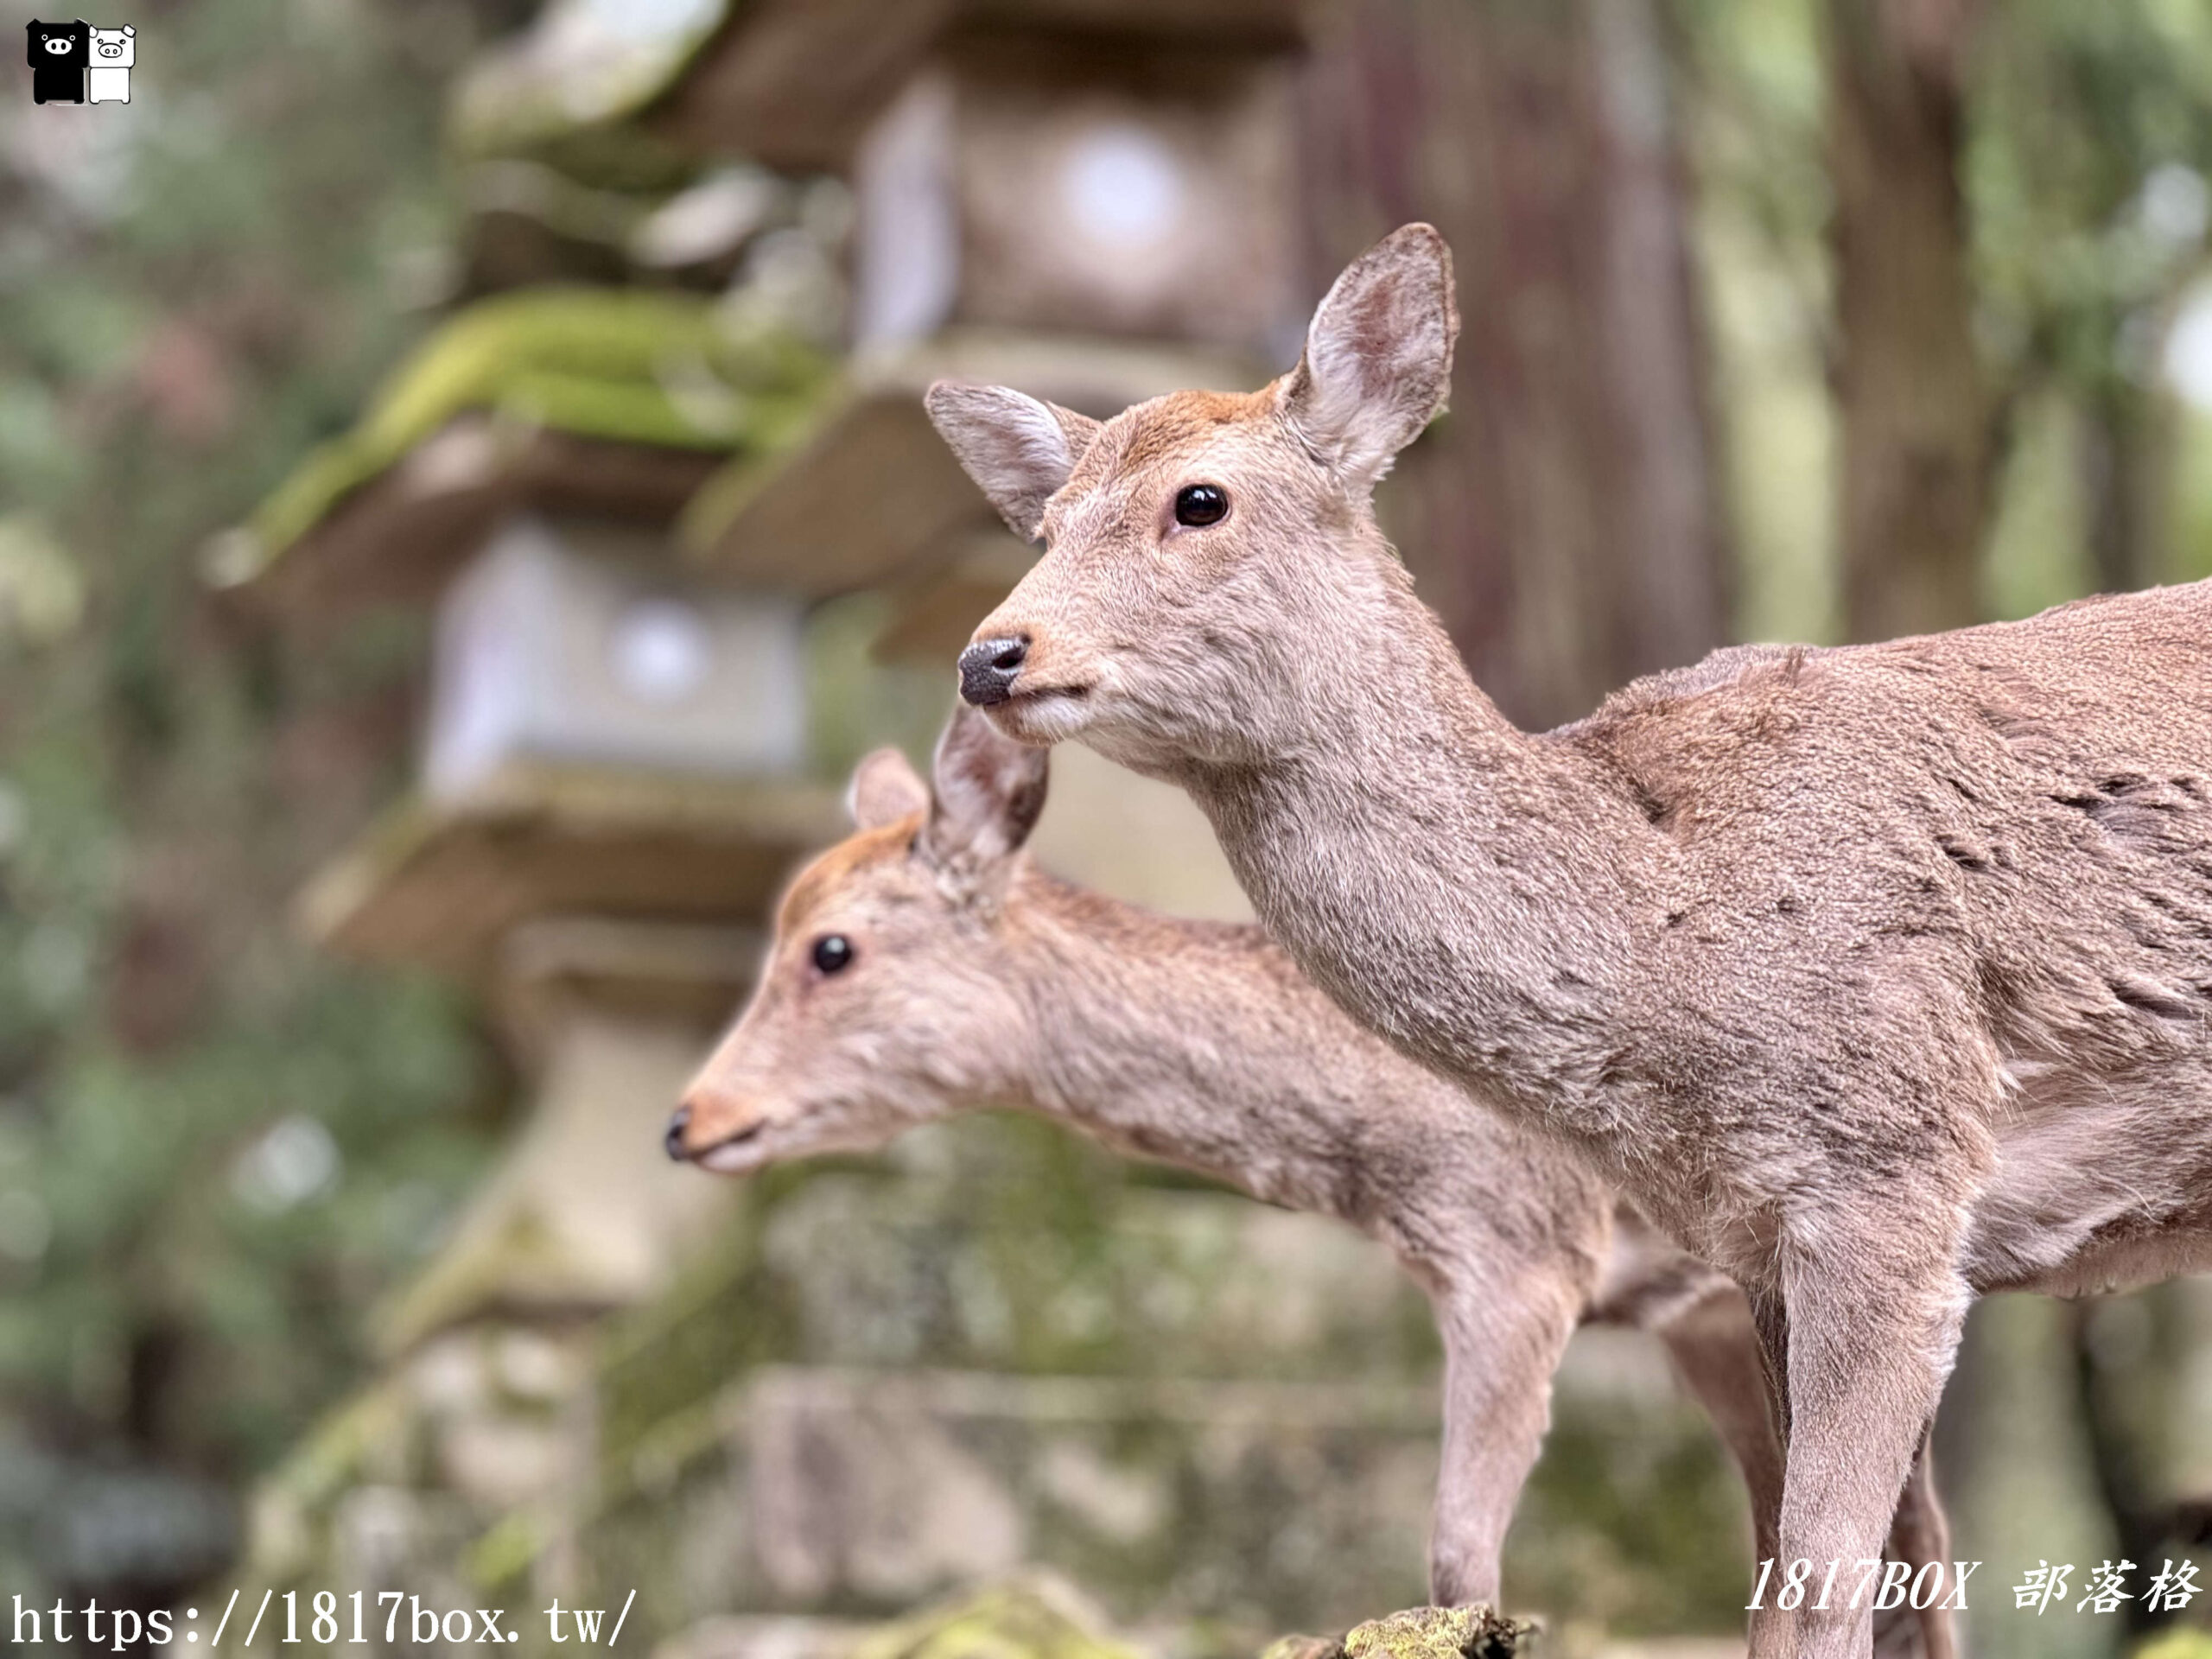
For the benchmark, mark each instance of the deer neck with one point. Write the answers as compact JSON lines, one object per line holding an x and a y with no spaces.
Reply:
{"x":1467,"y":890}
{"x":1200,"y":1045}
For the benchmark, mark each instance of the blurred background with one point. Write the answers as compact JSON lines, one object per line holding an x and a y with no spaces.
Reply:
{"x":463,"y":507}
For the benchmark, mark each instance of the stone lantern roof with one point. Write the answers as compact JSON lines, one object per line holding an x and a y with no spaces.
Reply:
{"x":606,"y":404}
{"x":863,"y":494}
{"x":611,"y":402}
{"x":867,"y":494}
{"x":614,"y":92}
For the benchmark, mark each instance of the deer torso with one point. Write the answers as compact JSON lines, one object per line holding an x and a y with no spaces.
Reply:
{"x":1791,"y":901}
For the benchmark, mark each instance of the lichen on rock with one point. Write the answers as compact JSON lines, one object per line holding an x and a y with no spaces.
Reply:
{"x":1475,"y":1632}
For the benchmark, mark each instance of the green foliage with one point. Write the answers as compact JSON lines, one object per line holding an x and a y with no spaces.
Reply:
{"x":215,"y":1147}
{"x":2088,"y":135}
{"x":1753,"y":97}
{"x":2087,"y":169}
{"x":2077,"y":108}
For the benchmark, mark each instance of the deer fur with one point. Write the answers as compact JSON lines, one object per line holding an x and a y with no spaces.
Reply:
{"x":977,"y":979}
{"x":1877,"y":977}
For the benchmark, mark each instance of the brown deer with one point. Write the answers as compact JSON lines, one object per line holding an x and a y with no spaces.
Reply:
{"x":926,"y":965}
{"x":1876,"y":977}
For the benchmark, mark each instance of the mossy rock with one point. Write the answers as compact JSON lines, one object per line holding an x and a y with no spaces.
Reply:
{"x":1417,"y":1633}
{"x":1035,"y":1618}
{"x":618,"y":365}
{"x":1002,"y":1244}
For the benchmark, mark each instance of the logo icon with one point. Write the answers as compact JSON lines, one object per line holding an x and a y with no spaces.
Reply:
{"x":76,"y":63}
{"x":114,"y":50}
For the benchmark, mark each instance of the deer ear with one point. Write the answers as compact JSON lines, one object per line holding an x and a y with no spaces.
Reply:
{"x":989,"y":790}
{"x":885,"y":789}
{"x":1019,"y":449}
{"x":1378,"y":367}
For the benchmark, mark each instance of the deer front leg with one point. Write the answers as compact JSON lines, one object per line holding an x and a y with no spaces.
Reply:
{"x":1498,"y":1360}
{"x":1873,"y":1306}
{"x":1715,"y":1351}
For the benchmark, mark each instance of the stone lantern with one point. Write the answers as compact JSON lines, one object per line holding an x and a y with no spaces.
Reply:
{"x":569,"y":642}
{"x":1037,"y":181}
{"x":614,"y":769}
{"x":1092,"y":199}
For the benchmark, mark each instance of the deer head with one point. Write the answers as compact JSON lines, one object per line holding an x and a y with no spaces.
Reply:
{"x":887,"y":998}
{"x":1198,"y":545}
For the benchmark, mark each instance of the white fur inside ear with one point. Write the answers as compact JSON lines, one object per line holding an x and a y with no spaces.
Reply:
{"x":989,"y":792}
{"x":1378,"y":367}
{"x":1019,"y":449}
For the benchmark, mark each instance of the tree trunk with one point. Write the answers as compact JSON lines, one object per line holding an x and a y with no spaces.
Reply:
{"x":1916,"y":420}
{"x":1563,"y":518}
{"x":2124,"y":461}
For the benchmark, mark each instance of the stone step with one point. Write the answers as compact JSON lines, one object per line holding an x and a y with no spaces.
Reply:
{"x":1258,"y":1505}
{"x":1004,"y":1243}
{"x":1035,"y":1615}
{"x":1039,"y":1615}
{"x":820,"y":1490}
{"x":993,"y":1346}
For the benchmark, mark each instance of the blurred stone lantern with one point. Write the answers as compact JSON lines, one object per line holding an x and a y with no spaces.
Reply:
{"x":1094,"y":199}
{"x":614,"y":763}
{"x":1040,"y":183}
{"x":567,"y":642}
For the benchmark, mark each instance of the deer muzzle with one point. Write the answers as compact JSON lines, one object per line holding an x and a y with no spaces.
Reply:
{"x":989,"y":669}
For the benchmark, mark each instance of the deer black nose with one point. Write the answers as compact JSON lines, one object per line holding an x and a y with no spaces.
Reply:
{"x":989,"y":669}
{"x":674,"y":1140}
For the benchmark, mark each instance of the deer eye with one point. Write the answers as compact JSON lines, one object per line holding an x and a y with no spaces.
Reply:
{"x":833,"y":953}
{"x":1200,"y":504}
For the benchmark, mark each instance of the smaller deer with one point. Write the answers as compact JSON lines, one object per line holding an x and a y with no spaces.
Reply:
{"x":925,"y":965}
